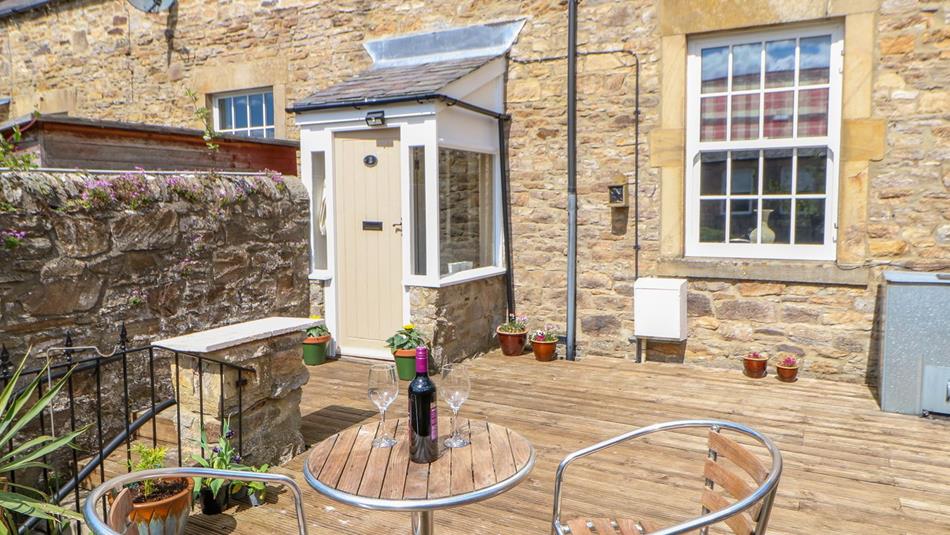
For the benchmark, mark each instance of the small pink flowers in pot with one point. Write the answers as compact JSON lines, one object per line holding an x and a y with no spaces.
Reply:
{"x":753,"y":365}
{"x":543,"y":344}
{"x":787,"y":369}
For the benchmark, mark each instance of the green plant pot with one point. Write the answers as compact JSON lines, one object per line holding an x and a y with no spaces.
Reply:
{"x":315,"y":350}
{"x":405,"y":363}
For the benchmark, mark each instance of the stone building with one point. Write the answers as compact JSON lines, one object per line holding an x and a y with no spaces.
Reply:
{"x":790,"y":152}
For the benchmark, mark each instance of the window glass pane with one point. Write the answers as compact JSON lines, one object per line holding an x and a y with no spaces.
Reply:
{"x":812,"y":170}
{"x":780,"y":63}
{"x":745,"y":172}
{"x":715,"y":69}
{"x":810,"y":221}
{"x":712,"y":221}
{"x":240,"y":112}
{"x":813,"y":113}
{"x":776,"y":223}
{"x":712,"y":118}
{"x":256,"y":102}
{"x":269,"y":133}
{"x":742,"y":221}
{"x":224,"y":113}
{"x":417,"y":206}
{"x":269,"y":108}
{"x":778,"y":114}
{"x":745,"y":116}
{"x":257,"y":132}
{"x":466,"y":220}
{"x":814,"y":58}
{"x":746,"y":66}
{"x":712,"y":173}
{"x":777,"y":172}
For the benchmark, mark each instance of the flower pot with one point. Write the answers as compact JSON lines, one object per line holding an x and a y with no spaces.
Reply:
{"x":167,"y":516}
{"x":754,"y":368}
{"x":214,"y":505}
{"x":405,"y":363}
{"x":543,"y":351}
{"x":315,"y":350}
{"x":512,"y":344}
{"x":787,"y":374}
{"x":254,"y":499}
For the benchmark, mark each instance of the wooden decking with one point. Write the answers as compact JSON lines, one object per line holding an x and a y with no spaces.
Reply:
{"x":849,"y":468}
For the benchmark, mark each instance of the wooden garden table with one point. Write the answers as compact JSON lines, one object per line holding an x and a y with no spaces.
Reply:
{"x":347,"y":468}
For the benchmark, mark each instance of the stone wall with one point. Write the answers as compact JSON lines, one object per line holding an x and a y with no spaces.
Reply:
{"x":184,"y":253}
{"x":97,"y":58}
{"x":462,"y":316}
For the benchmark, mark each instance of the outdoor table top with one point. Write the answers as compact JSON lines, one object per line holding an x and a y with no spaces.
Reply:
{"x":347,"y":468}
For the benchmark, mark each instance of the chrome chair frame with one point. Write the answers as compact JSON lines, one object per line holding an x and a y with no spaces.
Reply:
{"x":99,"y":526}
{"x":765,"y":492}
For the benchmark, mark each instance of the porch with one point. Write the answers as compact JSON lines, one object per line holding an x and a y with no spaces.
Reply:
{"x":849,"y":468}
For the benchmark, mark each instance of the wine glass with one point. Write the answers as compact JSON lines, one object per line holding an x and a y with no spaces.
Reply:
{"x":454,"y":391}
{"x":382,"y":391}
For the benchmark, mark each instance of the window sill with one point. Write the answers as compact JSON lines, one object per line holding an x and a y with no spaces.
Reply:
{"x":462,"y":277}
{"x":802,"y":271}
{"x":320,"y":275}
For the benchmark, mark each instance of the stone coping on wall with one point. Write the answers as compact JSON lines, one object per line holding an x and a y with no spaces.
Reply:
{"x":237,"y":334}
{"x":762,"y":270}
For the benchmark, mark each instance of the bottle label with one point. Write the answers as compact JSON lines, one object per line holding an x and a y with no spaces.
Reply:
{"x":434,"y":422}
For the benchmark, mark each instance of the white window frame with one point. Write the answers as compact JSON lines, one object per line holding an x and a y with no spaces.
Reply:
{"x":832,"y":141}
{"x":216,"y":114}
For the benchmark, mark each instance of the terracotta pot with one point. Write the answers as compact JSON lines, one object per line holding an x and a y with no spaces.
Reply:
{"x":512,"y":344}
{"x":754,"y":368}
{"x":315,"y":350}
{"x":168,"y":516}
{"x":787,"y":374}
{"x":543,"y":351}
{"x":405,"y":363}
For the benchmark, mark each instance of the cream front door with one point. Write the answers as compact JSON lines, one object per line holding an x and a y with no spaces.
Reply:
{"x":368,"y":239}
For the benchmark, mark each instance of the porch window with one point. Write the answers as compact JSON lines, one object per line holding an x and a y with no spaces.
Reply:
{"x":417,"y":201}
{"x":245,"y":113}
{"x":466,"y":210}
{"x":763,"y":119}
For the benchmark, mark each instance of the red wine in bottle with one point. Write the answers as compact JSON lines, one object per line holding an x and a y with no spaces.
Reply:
{"x":423,"y":413}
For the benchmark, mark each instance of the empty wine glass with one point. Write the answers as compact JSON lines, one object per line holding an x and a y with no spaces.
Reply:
{"x":382,"y":391}
{"x":454,"y":391}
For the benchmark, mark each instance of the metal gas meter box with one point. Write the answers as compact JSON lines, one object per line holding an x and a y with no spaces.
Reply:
{"x":915,"y":344}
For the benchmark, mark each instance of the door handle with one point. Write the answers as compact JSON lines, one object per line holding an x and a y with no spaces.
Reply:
{"x":397,"y":227}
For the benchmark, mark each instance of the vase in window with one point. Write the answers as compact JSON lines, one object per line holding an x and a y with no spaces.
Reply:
{"x":768,"y":235}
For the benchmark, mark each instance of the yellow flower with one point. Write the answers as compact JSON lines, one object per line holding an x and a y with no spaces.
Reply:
{"x":315,"y":317}
{"x":408,"y":327}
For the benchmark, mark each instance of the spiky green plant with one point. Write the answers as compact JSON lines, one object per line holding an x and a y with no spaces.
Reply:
{"x":17,"y":412}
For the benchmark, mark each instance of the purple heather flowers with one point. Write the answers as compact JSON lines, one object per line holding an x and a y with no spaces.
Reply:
{"x":12,"y":238}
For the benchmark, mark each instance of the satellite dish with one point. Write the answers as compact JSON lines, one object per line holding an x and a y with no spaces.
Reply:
{"x":152,"y":6}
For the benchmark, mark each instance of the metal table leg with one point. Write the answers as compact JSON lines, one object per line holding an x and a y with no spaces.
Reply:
{"x":422,"y":523}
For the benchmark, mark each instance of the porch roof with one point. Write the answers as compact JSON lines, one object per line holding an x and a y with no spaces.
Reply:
{"x":396,"y":82}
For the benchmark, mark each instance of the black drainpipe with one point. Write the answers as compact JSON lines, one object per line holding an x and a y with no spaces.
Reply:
{"x":571,"y":179}
{"x":506,"y":216}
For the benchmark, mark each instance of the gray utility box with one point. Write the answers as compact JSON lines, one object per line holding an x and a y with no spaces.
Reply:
{"x":915,"y":346}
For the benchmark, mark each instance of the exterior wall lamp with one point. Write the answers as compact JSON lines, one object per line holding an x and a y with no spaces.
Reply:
{"x":376,"y":118}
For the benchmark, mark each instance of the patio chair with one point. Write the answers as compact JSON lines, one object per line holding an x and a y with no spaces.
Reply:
{"x":728,"y":497}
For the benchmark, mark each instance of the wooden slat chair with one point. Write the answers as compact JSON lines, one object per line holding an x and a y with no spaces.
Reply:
{"x":742,"y":499}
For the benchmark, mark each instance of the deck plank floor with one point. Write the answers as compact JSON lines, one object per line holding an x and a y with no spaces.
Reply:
{"x":849,"y":468}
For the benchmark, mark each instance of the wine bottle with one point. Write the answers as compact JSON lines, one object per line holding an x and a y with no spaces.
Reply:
{"x":423,"y":413}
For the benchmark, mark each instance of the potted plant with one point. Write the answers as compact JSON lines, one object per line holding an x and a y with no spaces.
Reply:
{"x":214,"y":493}
{"x":256,"y":491}
{"x":753,"y":365}
{"x":787,"y":369}
{"x":403,"y":344}
{"x":513,"y":334}
{"x":315,"y":345}
{"x":16,"y":412}
{"x":152,"y":505}
{"x":543,"y":344}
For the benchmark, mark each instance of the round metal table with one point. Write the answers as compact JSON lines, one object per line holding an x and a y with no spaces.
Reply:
{"x":345,"y":467}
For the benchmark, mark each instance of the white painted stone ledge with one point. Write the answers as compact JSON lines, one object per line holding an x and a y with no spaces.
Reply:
{"x":237,"y":334}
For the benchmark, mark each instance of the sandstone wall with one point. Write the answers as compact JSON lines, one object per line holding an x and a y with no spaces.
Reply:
{"x":99,"y":58}
{"x":200,"y":251}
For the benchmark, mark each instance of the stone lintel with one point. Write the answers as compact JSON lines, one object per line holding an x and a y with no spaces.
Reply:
{"x":763,"y":270}
{"x":237,"y":334}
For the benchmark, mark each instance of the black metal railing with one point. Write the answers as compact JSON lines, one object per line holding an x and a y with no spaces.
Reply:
{"x":96,"y":381}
